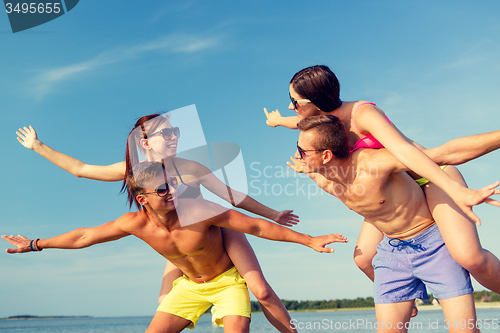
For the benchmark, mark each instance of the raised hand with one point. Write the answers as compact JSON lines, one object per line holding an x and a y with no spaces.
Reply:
{"x":273,"y":118}
{"x":286,"y":218}
{"x":22,"y":243}
{"x":319,"y":242}
{"x":475,"y":197}
{"x":296,"y":166}
{"x":27,"y":136}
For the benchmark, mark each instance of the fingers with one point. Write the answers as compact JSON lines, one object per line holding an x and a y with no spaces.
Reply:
{"x":16,"y":239}
{"x":492,"y":202}
{"x":267,"y":113}
{"x":468,"y":211}
{"x":339,"y":238}
{"x":20,"y":137}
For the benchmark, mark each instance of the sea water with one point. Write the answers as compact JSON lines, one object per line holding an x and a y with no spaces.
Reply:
{"x":361,"y":321}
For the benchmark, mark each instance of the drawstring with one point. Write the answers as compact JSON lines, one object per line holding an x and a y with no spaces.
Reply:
{"x":401,"y":244}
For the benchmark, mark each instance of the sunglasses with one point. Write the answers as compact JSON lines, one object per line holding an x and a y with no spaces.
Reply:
{"x":167,"y":133}
{"x":302,"y":151}
{"x":294,"y":102}
{"x":163,"y":189}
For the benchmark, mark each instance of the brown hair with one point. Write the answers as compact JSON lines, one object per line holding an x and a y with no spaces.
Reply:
{"x":152,"y":121}
{"x":319,"y":85}
{"x":330,"y":134}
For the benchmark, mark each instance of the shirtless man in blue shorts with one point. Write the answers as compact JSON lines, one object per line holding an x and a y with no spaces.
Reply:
{"x":196,"y":248}
{"x":375,"y":184}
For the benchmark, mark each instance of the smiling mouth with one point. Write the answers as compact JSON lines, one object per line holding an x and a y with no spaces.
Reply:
{"x":172,"y":146}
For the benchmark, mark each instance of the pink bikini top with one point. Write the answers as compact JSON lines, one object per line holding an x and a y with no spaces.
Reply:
{"x":368,"y":141}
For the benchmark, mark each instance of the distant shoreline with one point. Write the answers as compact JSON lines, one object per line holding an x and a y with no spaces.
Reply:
{"x":484,"y":305}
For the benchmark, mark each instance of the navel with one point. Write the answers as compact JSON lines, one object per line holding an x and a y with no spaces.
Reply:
{"x":381,"y":201}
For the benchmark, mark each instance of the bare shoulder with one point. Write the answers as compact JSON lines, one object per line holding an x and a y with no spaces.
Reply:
{"x":197,"y":210}
{"x":375,"y":160}
{"x":365,"y":109}
{"x":187,"y":164}
{"x":132,"y":220}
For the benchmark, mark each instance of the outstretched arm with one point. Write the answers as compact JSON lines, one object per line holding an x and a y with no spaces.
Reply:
{"x":114,"y":172}
{"x":243,"y":201}
{"x":274,"y":119}
{"x":264,"y":229}
{"x":462,"y":150}
{"x":75,"y":239}
{"x":370,"y":119}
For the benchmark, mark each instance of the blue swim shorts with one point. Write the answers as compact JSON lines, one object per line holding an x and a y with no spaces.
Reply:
{"x":403,"y":268}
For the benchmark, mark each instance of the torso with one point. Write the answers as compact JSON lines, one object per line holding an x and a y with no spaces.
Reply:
{"x":197,"y":248}
{"x":394,"y":203}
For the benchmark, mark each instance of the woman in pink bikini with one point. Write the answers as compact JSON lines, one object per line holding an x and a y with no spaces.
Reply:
{"x":315,"y":90}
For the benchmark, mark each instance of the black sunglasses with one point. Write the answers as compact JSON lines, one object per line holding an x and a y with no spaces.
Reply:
{"x":302,"y":151}
{"x":166,"y":133}
{"x":163,"y":189}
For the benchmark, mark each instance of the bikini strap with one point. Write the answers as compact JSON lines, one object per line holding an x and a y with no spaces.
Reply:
{"x":178,"y":174}
{"x":354,"y":113}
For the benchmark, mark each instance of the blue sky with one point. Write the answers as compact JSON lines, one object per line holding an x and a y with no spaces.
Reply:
{"x":83,"y":79}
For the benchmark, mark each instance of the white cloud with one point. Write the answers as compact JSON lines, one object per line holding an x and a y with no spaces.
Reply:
{"x":44,"y":83}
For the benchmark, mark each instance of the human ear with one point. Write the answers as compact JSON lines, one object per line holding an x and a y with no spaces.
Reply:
{"x":327,"y":156}
{"x":141,"y":199}
{"x":145,"y":144}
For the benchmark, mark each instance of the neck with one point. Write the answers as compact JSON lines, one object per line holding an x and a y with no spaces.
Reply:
{"x":340,"y":170}
{"x":166,"y":219}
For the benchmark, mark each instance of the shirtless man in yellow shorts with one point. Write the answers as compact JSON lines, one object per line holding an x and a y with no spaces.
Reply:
{"x":374,"y":184}
{"x":196,"y":248}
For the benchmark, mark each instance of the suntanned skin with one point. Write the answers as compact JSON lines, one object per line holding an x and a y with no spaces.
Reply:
{"x":196,"y":248}
{"x":374,"y":184}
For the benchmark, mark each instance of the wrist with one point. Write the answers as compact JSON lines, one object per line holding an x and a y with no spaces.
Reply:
{"x":34,"y":245}
{"x":37,"y":144}
{"x":308,"y":240}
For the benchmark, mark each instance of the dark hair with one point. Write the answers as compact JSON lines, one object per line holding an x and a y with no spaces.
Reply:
{"x":330,"y":134}
{"x":141,"y":173}
{"x":153,"y":121}
{"x":319,"y":85}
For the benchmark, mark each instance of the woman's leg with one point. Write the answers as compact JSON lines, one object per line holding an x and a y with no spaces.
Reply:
{"x":460,"y":235}
{"x":366,"y":248}
{"x":243,"y":257}
{"x":169,"y":275}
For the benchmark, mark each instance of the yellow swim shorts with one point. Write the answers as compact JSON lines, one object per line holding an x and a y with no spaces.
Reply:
{"x":189,"y":300}
{"x":422,"y":181}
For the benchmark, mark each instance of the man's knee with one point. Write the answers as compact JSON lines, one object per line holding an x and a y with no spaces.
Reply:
{"x":236,"y":324}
